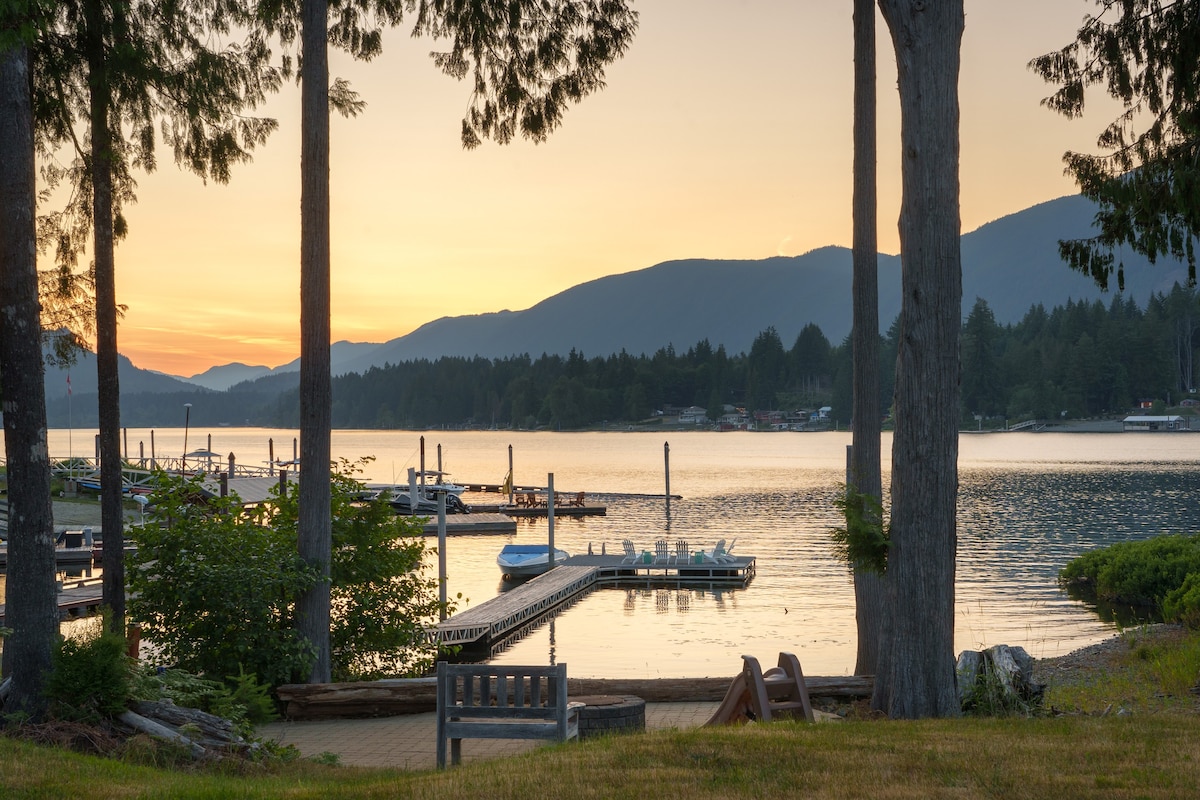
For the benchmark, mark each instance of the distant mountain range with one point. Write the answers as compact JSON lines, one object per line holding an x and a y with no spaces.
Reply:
{"x":1012,"y":263}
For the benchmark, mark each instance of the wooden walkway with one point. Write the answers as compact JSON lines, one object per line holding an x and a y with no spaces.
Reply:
{"x":463,"y":524}
{"x":494,"y":619}
{"x":486,"y":624}
{"x":63,"y":556}
{"x":77,"y":600}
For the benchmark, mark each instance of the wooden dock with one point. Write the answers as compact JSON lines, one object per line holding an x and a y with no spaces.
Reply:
{"x":75,"y":600}
{"x":464,"y":524}
{"x":63,"y":556}
{"x":490,"y":622}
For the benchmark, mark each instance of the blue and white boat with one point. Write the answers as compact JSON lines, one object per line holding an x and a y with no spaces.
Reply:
{"x":527,"y":560}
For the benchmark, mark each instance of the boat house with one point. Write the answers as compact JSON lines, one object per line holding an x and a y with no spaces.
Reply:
{"x":1153,"y":423}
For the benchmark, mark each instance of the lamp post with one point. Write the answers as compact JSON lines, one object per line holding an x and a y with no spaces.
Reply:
{"x":187,"y":418}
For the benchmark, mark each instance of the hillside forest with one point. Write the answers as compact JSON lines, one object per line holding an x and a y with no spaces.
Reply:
{"x":1079,"y":360}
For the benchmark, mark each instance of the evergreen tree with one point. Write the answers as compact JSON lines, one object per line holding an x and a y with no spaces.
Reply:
{"x":117,"y":66}
{"x":917,"y":679}
{"x":1144,"y":54}
{"x":865,"y":478}
{"x":30,"y":595}
{"x":529,"y":60}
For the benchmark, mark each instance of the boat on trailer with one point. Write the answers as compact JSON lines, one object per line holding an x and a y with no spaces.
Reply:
{"x":527,"y":560}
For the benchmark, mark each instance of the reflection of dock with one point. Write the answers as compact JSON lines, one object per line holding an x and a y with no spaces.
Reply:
{"x":492,"y":620}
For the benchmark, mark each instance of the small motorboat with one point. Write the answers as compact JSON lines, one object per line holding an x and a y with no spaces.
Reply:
{"x":426,"y":506}
{"x":527,"y":560}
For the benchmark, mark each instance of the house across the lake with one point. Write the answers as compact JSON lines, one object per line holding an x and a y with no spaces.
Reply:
{"x":1154,"y":423}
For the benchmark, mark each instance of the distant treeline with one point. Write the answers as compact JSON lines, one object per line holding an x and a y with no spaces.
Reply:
{"x":1078,"y":360}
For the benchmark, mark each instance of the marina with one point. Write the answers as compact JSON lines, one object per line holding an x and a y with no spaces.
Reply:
{"x":1028,"y":503}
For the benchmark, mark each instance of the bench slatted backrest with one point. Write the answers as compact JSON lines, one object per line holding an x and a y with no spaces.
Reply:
{"x":489,"y":701}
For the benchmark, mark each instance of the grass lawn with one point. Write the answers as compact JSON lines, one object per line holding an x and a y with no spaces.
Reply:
{"x":1134,"y":732}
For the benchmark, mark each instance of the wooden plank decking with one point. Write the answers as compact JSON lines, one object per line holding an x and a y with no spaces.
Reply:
{"x":74,"y":601}
{"x":493,"y":619}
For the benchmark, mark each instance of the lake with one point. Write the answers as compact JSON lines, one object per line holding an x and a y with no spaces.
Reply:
{"x":1028,"y":503}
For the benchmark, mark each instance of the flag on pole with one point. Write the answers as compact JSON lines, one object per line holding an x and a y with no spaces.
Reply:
{"x":507,"y":487}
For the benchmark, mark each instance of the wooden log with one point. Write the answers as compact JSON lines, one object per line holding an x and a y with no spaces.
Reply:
{"x":419,"y":695}
{"x":213,"y":731}
{"x":158,"y":731}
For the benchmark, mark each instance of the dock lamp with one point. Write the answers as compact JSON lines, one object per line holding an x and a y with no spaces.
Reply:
{"x":187,"y":418}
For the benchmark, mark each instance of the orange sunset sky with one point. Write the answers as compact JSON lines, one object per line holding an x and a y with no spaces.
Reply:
{"x":725,"y":132}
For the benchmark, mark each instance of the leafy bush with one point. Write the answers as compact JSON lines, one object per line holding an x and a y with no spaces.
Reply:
{"x":381,"y":598}
{"x":215,"y":586}
{"x":241,"y":699}
{"x":864,"y":542}
{"x":89,"y":680}
{"x":1144,"y":572}
{"x":1183,"y":604}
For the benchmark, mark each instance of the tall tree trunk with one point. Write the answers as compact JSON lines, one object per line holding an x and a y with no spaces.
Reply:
{"x":31,"y":600}
{"x":919,"y":680}
{"x":865,"y":458}
{"x":107,"y":383}
{"x":316,"y":390}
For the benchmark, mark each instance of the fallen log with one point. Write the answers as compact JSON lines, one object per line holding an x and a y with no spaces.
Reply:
{"x":158,"y":731}
{"x":211,"y":730}
{"x":418,"y":695}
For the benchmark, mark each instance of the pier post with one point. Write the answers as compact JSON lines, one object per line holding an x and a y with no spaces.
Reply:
{"x":270,"y":457}
{"x":422,"y":463}
{"x":550,"y":514}
{"x":442,"y":555}
{"x":512,"y":480}
{"x":223,"y":481}
{"x":153,"y":456}
{"x":667,"y":471}
{"x":412,"y":492}
{"x":283,"y":483}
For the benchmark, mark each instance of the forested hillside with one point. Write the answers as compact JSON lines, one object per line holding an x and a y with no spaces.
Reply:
{"x":1082,"y":359}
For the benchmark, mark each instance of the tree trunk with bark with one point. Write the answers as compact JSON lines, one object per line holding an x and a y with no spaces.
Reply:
{"x":918,"y":678}
{"x":864,"y":475}
{"x":316,"y":391}
{"x":108,"y":387}
{"x":31,"y":599}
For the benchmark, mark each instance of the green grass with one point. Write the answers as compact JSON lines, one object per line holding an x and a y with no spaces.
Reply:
{"x":1079,"y":756}
{"x":1152,"y":750}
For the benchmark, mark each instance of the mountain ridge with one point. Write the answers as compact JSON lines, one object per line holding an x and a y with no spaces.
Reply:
{"x":1011,"y":262}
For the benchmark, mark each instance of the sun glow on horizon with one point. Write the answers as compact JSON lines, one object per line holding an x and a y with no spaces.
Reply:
{"x":720,"y":135}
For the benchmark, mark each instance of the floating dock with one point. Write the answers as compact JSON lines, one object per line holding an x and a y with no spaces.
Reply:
{"x":63,"y":556}
{"x":75,"y":600}
{"x":465,"y":524}
{"x":490,"y":622}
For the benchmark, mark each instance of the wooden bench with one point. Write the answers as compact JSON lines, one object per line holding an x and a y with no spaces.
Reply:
{"x":780,"y":691}
{"x":483,"y":701}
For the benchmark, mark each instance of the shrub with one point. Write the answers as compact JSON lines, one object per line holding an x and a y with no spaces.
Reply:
{"x":215,"y":585}
{"x":1138,"y":573}
{"x":89,"y":680}
{"x":1183,"y":603}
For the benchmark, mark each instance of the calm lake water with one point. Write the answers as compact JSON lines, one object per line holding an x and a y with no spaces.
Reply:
{"x":1028,"y":503}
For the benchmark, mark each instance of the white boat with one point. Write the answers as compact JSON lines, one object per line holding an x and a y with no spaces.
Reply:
{"x":527,"y":560}
{"x":438,"y":484}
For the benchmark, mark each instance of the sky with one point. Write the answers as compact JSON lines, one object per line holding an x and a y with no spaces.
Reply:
{"x":724,"y":132}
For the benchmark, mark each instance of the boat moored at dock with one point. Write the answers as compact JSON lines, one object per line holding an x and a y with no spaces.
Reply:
{"x":527,"y":560}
